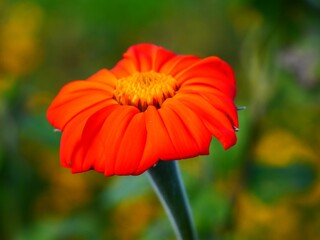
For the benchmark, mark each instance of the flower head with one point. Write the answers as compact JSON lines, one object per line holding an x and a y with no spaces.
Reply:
{"x":153,"y":105}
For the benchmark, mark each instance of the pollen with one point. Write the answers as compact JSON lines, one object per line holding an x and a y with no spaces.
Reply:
{"x":145,"y":88}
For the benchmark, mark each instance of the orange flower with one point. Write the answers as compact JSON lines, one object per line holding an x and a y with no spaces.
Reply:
{"x":152,"y":105}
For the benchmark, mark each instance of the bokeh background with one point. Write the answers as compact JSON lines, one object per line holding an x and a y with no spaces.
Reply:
{"x":265,"y":187}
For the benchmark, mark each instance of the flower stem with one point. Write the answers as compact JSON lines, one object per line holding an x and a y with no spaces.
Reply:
{"x":166,"y":180}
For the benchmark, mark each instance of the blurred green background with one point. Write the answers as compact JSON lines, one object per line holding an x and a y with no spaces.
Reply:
{"x":265,"y":187}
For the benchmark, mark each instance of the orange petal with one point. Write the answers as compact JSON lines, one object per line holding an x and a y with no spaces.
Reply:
{"x":93,"y":146}
{"x":76,"y":97}
{"x":210,"y":71}
{"x":224,"y":105}
{"x":184,"y":143}
{"x":124,"y":68}
{"x":70,"y":143}
{"x":104,"y":76}
{"x":215,"y":120}
{"x":208,"y":84}
{"x":71,"y":151}
{"x":103,"y":155}
{"x":207,"y":67}
{"x":160,"y":56}
{"x":215,"y":98}
{"x":159,"y":144}
{"x":158,"y":137}
{"x":149,"y":157}
{"x":193,"y":124}
{"x":175,"y":65}
{"x":142,"y":58}
{"x":131,"y":148}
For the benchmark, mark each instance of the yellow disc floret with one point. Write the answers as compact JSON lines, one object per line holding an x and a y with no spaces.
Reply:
{"x":144,"y":89}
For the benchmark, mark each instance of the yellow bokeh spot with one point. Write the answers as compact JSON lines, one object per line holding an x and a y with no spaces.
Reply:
{"x":280,"y":148}
{"x":19,"y":42}
{"x":132,"y":216}
{"x":65,"y":193}
{"x":6,"y":83}
{"x":257,"y":220}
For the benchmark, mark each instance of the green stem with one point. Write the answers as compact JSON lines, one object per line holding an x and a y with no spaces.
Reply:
{"x":166,"y":180}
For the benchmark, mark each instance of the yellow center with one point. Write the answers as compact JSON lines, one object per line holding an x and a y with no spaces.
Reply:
{"x":144,"y":89}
